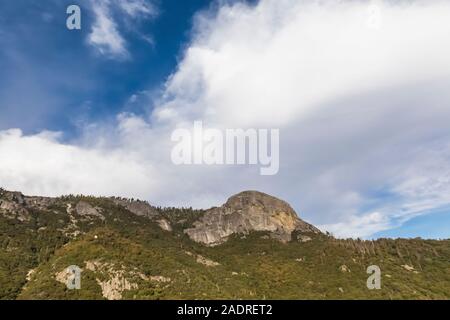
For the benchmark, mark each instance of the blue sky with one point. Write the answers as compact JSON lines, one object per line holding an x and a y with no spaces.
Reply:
{"x":358,"y":91}
{"x":66,"y":79}
{"x":432,"y":226}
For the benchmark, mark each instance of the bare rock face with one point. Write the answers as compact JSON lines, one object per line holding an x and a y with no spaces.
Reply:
{"x":40,"y":203}
{"x":16,"y":205}
{"x":12,"y":205}
{"x":164,"y":224}
{"x":86,"y":210}
{"x":245,"y":212}
{"x":140,"y":208}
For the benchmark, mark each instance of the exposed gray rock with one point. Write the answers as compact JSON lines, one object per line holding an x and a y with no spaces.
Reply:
{"x":207,"y":262}
{"x":344,"y":268}
{"x":12,"y":205}
{"x":140,"y":208}
{"x":303,"y":238}
{"x":13,"y":196}
{"x":245,"y":212}
{"x":164,"y":224}
{"x":40,"y":203}
{"x":85,"y":209}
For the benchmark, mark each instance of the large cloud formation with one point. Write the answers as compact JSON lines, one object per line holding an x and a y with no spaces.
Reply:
{"x":359,"y":91}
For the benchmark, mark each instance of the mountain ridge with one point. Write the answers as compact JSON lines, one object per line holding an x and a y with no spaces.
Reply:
{"x":246,"y":211}
{"x":129,"y":249}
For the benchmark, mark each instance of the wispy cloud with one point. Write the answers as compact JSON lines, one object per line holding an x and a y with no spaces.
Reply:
{"x":138,"y":8}
{"x":105,"y":35}
{"x":361,"y":225}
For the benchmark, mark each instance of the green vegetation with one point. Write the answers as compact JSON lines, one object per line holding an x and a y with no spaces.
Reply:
{"x":167,"y":265}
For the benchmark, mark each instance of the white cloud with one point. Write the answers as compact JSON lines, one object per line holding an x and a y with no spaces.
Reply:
{"x":41,"y":164}
{"x":105,"y":35}
{"x":298,"y":55}
{"x":366,"y":225}
{"x":138,"y":8}
{"x":362,"y":109}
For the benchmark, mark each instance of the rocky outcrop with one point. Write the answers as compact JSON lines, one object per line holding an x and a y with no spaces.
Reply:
{"x":84,"y":209}
{"x":245,"y":212}
{"x":13,"y":205}
{"x":207,"y":262}
{"x":138,"y":207}
{"x":114,"y":280}
{"x":164,"y":224}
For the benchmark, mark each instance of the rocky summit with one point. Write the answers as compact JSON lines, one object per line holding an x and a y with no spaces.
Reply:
{"x":246,"y":212}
